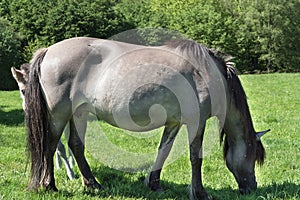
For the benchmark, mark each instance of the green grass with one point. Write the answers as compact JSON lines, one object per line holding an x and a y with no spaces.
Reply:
{"x":274,"y":103}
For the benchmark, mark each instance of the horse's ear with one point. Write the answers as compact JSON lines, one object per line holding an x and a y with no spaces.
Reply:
{"x":259,"y":134}
{"x":18,"y":75}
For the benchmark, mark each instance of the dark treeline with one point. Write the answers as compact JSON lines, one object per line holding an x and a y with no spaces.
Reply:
{"x":262,"y":35}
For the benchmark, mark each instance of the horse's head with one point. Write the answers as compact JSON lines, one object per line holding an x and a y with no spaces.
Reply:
{"x":241,"y":154}
{"x":21,"y":76}
{"x":242,"y":145}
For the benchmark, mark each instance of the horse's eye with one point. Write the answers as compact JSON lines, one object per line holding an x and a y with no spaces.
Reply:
{"x":23,"y":91}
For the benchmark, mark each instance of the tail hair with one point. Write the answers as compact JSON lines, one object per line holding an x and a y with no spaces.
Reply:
{"x":37,"y":123}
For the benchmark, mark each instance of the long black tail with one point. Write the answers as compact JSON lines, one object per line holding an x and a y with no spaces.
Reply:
{"x":37,"y":122}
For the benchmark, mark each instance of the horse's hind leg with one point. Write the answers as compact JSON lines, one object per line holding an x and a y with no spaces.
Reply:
{"x":153,"y":179}
{"x":76,"y":143}
{"x":54,"y":136}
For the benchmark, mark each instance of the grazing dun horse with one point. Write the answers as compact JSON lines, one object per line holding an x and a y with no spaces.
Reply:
{"x":137,"y":88}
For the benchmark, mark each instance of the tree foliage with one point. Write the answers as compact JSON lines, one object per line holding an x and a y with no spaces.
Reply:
{"x":42,"y":23}
{"x":9,"y":53}
{"x":261,"y":35}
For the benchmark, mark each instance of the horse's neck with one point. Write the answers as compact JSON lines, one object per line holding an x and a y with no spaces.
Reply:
{"x":237,"y":124}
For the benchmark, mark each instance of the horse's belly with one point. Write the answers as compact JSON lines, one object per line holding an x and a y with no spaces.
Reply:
{"x":131,"y":124}
{"x":144,"y":109}
{"x":149,"y":120}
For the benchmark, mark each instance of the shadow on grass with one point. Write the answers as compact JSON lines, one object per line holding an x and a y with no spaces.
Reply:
{"x":122,"y":185}
{"x":11,"y":118}
{"x":284,"y":190}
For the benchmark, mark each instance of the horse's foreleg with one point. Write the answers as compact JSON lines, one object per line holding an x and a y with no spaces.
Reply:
{"x":76,"y":143}
{"x":153,"y":179}
{"x":197,"y":190}
{"x":71,"y":158}
{"x":70,"y":154}
{"x":61,"y":154}
{"x":57,"y":157}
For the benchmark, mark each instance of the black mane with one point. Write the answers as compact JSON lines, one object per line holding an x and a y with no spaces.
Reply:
{"x":200,"y":51}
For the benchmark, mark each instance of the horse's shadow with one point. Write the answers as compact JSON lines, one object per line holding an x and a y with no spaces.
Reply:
{"x":126,"y":185}
{"x":12,"y":117}
{"x":285,"y":190}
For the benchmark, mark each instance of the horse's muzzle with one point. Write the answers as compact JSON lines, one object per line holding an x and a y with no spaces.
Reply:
{"x":249,"y":188}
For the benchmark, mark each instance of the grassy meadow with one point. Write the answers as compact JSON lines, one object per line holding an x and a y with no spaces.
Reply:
{"x":274,"y":102}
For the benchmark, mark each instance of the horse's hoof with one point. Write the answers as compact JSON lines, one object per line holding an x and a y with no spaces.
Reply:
{"x":154,"y":185}
{"x":93,"y":184}
{"x":51,"y":188}
{"x":203,"y":195}
{"x":96,"y":186}
{"x":158,"y":189}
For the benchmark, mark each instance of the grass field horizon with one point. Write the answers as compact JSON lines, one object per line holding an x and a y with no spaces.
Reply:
{"x":274,"y":101}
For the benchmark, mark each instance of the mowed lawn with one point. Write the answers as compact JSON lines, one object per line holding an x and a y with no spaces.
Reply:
{"x":274,"y":102}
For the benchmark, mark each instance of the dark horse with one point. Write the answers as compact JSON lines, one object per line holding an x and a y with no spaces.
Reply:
{"x":137,"y":88}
